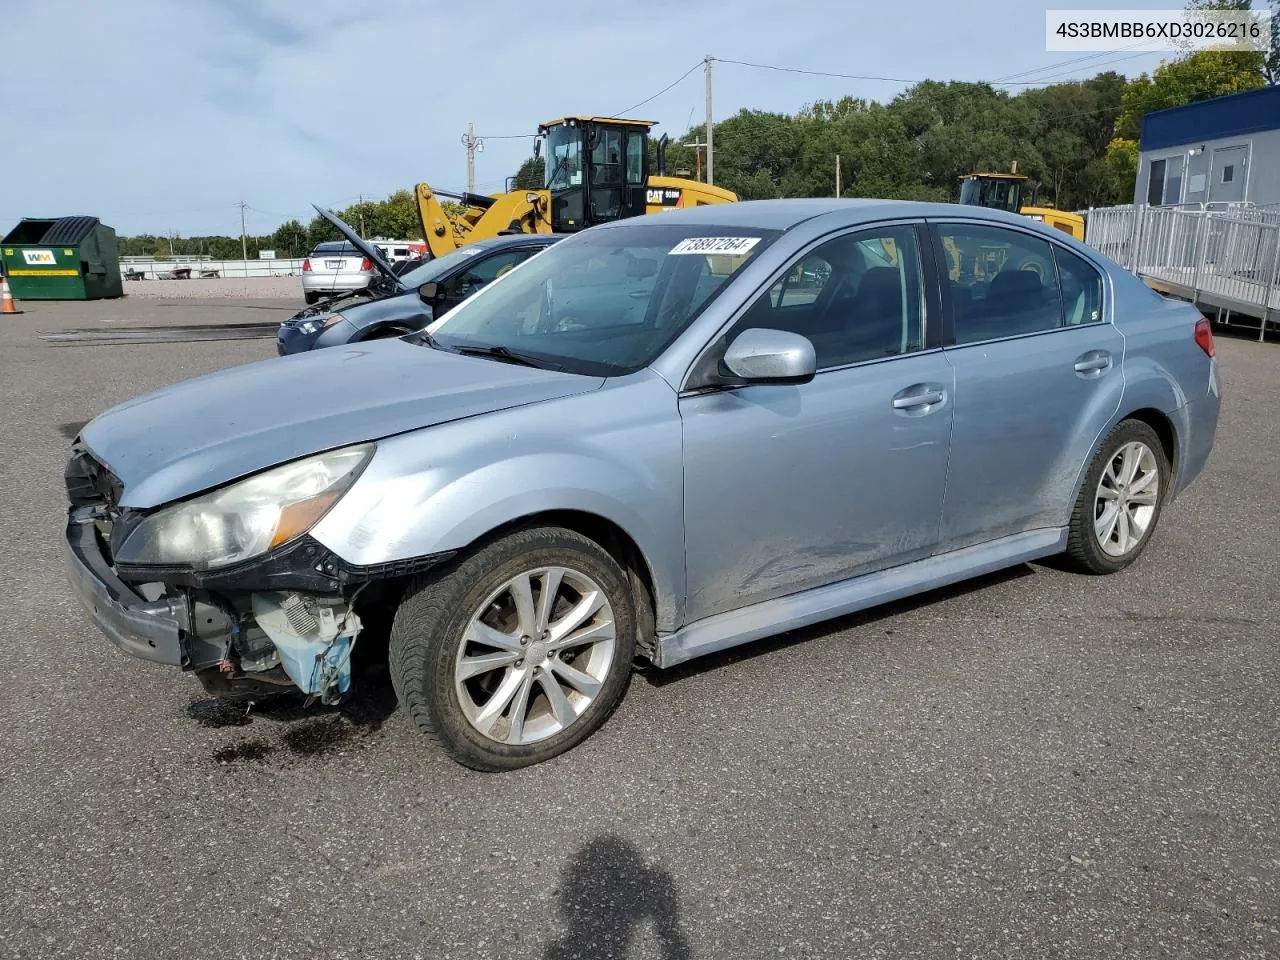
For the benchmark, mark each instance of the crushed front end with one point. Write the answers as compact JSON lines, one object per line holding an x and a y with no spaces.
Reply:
{"x":283,"y":618}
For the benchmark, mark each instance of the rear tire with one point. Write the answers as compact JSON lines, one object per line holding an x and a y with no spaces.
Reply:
{"x":311,"y":298}
{"x":1120,"y":501}
{"x":500,"y":678}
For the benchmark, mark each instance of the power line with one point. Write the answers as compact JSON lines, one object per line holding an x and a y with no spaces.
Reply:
{"x":1061,"y":78}
{"x":1063,"y":63}
{"x":855,"y":76}
{"x":682,"y":76}
{"x":812,"y":73}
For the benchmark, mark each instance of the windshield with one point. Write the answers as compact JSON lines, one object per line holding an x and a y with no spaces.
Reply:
{"x":438,"y":267}
{"x":605,"y":302}
{"x":995,"y":194}
{"x":564,"y":157}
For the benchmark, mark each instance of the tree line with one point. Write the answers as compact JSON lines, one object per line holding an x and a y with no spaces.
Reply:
{"x":1078,"y":141}
{"x":393,"y":218}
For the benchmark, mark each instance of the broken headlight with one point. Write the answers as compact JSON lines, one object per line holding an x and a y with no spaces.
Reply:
{"x":247,"y":518}
{"x":316,"y":324}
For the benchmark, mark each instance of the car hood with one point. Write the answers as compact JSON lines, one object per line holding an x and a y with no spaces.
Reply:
{"x":202,"y":433}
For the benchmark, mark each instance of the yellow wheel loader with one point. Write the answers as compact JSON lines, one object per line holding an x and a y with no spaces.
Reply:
{"x":597,"y":171}
{"x":1004,"y":191}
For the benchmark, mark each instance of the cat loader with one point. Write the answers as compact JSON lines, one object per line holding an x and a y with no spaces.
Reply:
{"x":597,"y":171}
{"x":1004,"y":191}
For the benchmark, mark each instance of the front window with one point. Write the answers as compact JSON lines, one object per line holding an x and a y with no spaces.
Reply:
{"x":605,"y":302}
{"x":564,"y":157}
{"x":435,"y":269}
{"x":996,"y":194}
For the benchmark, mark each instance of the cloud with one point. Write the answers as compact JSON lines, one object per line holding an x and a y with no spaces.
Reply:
{"x":159,"y":116}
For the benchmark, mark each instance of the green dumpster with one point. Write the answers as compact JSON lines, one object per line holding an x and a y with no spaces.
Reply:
{"x":68,"y":258}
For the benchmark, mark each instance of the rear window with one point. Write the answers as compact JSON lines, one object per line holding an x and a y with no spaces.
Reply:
{"x":335,"y":248}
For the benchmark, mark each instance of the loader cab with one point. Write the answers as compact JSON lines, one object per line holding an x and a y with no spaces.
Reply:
{"x":998,"y":191}
{"x":597,"y":170}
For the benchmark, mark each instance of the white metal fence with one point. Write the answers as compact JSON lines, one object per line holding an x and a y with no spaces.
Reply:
{"x":1221,"y":256}
{"x":157,"y":269}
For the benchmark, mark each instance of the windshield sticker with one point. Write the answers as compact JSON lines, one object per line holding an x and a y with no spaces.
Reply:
{"x":726,"y":246}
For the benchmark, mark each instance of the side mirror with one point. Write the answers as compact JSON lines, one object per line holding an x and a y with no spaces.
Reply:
{"x":771,"y":356}
{"x":537,"y":147}
{"x":429,"y":291}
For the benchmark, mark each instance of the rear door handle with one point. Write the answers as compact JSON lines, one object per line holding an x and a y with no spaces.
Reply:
{"x":1095,"y":362}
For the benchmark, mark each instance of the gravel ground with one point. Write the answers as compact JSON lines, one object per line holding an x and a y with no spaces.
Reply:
{"x":1034,"y":765}
{"x":224,"y":288}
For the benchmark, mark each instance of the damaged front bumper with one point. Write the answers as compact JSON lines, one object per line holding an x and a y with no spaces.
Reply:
{"x":148,"y":629}
{"x":285,"y":618}
{"x":241,"y":641}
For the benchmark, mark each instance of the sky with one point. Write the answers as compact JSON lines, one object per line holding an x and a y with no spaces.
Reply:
{"x":160,"y":117}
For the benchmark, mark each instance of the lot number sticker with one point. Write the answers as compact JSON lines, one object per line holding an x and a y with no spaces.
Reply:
{"x":730,"y":246}
{"x":38,"y":257}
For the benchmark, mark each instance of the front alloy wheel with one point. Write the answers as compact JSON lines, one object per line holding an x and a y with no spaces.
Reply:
{"x":535,"y":655}
{"x":518,"y":651}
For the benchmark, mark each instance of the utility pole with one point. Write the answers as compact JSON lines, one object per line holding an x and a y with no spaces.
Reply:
{"x":244,"y":242}
{"x":697,"y":152}
{"x":474,"y":145}
{"x":360,"y":213}
{"x":837,"y":175}
{"x":710,"y":148}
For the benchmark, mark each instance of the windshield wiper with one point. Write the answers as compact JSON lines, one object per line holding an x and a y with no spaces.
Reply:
{"x":499,"y":352}
{"x":425,"y":339}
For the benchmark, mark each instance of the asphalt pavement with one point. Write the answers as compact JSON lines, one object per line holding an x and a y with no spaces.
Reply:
{"x":1032,"y":765}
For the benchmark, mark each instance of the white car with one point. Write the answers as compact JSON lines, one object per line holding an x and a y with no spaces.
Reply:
{"x":335,"y":267}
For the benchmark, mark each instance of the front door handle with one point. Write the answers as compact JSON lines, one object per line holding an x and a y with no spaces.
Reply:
{"x":1093,"y":362}
{"x":919,"y":398}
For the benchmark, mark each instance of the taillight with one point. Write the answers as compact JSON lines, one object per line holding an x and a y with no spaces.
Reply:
{"x":306,"y":265}
{"x":1204,"y":336}
{"x":366,"y":264}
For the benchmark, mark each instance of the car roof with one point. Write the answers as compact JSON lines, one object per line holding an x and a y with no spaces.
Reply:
{"x":506,"y":240}
{"x":786,"y":214}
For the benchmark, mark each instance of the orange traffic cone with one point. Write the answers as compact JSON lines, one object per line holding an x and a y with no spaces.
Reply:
{"x":7,"y":303}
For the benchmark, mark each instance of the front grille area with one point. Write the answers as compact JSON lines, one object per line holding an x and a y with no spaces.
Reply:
{"x":94,"y":489}
{"x":90,"y":483}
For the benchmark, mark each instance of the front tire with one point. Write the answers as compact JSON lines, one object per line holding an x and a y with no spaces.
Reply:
{"x":1119,"y":504}
{"x":519,"y":651}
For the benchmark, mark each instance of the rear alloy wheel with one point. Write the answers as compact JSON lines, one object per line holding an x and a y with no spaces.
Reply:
{"x":1120,"y":501}
{"x":519,"y":652}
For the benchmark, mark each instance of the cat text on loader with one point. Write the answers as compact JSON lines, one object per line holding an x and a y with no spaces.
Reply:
{"x":597,"y":171}
{"x":1004,"y":191}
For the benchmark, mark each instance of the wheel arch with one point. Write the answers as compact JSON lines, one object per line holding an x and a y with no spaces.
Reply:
{"x":1165,"y":429}
{"x":619,"y":543}
{"x":375,"y":330}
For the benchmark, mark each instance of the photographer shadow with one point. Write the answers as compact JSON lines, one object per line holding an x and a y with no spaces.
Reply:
{"x":607,"y":893}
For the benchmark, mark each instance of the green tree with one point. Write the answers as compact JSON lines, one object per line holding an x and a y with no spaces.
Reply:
{"x":289,"y":239}
{"x":531,"y":175}
{"x":321,"y":230}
